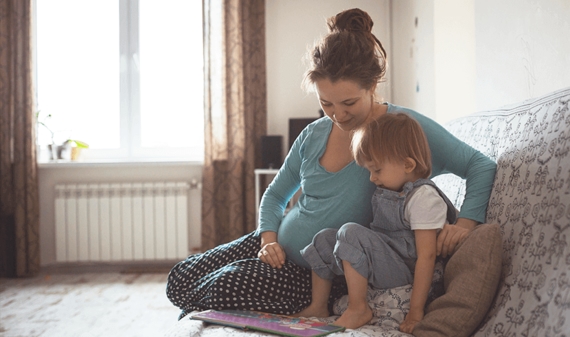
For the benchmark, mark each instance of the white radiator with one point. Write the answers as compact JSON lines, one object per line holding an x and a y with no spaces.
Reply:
{"x":121,"y":221}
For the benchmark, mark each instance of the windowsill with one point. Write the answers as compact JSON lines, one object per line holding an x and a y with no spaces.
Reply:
{"x":118,"y":163}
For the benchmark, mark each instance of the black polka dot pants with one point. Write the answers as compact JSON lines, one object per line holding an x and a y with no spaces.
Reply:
{"x":231,"y":276}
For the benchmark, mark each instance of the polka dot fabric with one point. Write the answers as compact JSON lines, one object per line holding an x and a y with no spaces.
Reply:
{"x":231,"y":276}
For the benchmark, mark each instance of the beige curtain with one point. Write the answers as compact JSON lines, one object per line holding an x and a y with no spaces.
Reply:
{"x":235,"y":116}
{"x":19,"y":203}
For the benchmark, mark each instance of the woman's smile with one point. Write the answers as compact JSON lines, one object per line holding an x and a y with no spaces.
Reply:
{"x":344,"y":121}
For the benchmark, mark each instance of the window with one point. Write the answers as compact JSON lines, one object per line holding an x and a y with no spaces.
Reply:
{"x":124,"y":76}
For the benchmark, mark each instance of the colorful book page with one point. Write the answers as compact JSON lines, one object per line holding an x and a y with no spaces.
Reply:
{"x":277,"y":324}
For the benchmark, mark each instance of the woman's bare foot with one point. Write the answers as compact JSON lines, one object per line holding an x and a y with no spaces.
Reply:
{"x":313,"y":311}
{"x":354,"y":318}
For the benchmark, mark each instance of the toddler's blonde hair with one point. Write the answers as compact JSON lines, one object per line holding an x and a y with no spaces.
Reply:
{"x":392,"y":137}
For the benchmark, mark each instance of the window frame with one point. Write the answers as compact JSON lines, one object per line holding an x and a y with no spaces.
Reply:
{"x":130,"y":128}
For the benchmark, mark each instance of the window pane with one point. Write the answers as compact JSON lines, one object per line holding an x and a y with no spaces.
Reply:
{"x":171,"y":73}
{"x":78,"y":69}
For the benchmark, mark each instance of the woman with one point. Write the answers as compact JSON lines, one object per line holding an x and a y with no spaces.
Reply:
{"x":264,"y":270}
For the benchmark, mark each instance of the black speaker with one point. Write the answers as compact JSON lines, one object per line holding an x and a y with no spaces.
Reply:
{"x":296,"y":125}
{"x":271,"y":149}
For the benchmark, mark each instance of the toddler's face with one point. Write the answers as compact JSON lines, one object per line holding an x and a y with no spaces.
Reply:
{"x":391,"y":175}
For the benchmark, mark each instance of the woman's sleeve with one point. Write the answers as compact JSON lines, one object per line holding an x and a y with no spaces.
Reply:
{"x":283,"y":187}
{"x":451,"y":155}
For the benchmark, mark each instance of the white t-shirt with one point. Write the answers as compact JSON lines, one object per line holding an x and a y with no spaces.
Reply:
{"x":425,"y":209}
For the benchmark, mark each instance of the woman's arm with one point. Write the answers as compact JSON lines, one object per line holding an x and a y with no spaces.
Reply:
{"x":271,"y":210}
{"x":282,"y":188}
{"x":425,"y":246}
{"x":479,"y":172}
{"x":451,"y":155}
{"x":274,"y":201}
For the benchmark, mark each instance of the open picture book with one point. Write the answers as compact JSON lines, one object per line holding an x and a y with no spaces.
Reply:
{"x":259,"y":321}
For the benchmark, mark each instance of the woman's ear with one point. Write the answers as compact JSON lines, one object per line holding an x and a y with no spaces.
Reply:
{"x":409,"y":165}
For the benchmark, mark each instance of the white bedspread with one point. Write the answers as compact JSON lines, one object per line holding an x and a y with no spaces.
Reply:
{"x":389,"y":307}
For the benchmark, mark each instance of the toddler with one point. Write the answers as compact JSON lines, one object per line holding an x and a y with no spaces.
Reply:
{"x":399,"y":246}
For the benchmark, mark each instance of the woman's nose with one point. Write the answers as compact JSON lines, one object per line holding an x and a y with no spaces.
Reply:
{"x":339,"y":114}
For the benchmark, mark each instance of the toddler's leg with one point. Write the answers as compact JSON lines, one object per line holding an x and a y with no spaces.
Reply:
{"x":358,"y":312}
{"x":321,"y":289}
{"x":370,"y":253}
{"x":319,"y":255}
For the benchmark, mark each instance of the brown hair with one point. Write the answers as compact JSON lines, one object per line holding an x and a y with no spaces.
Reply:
{"x":390,"y":137}
{"x":349,"y":52}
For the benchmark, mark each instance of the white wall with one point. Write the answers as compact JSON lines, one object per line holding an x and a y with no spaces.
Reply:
{"x":434,"y":56}
{"x":477,"y":55}
{"x":413,"y":84}
{"x":522,"y":50}
{"x":454,"y":66}
{"x":292,"y":27}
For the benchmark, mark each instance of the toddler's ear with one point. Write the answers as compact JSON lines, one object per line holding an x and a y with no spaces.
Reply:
{"x":409,"y":165}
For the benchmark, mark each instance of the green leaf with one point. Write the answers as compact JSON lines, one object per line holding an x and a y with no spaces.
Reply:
{"x":79,"y":143}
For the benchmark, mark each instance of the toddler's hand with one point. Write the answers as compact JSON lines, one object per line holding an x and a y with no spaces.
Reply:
{"x":408,"y":326}
{"x":410,"y":322}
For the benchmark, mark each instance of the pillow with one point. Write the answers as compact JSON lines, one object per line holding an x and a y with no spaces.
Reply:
{"x":471,"y":278}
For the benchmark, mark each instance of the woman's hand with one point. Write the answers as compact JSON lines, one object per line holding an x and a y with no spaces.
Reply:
{"x":271,"y":251}
{"x":272,"y":254}
{"x":451,"y":235}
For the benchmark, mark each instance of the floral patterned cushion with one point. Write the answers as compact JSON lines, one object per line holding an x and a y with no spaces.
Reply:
{"x":389,"y":306}
{"x":530,"y":202}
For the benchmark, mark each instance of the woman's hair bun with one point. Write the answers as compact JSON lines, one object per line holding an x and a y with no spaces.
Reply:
{"x":352,"y":20}
{"x":349,"y":52}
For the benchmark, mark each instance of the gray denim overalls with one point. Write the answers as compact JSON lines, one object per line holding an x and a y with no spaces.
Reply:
{"x":385,"y":253}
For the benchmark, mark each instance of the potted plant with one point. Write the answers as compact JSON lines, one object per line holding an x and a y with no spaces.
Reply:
{"x":76,"y":147}
{"x":70,"y":149}
{"x":51,"y":146}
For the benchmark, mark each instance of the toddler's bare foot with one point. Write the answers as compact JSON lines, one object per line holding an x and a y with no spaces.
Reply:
{"x":354,"y":318}
{"x":313,"y":311}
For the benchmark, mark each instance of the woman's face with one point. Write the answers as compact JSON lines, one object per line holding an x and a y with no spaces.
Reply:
{"x":345,"y":102}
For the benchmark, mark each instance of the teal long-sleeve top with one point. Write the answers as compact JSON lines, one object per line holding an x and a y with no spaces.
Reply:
{"x":331,"y":199}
